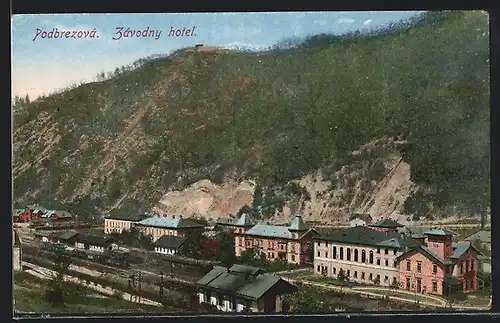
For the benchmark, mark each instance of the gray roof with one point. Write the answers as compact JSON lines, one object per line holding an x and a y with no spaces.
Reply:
{"x":297,"y":224}
{"x":170,"y":242}
{"x":129,"y":217}
{"x":362,"y":216}
{"x":94,"y":239}
{"x":174,"y":222}
{"x":250,"y":283}
{"x":63,"y":235}
{"x":460,"y":248}
{"x":362,"y":235}
{"x":387,"y":223}
{"x":439,"y":232}
{"x":483,"y":236}
{"x":245,"y":220}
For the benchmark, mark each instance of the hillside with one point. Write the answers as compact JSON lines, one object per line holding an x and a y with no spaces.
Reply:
{"x":394,"y":121}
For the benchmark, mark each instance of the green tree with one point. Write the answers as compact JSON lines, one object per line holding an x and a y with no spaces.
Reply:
{"x":341,"y":276}
{"x":193,"y":247}
{"x":308,"y":300}
{"x":257,"y":201}
{"x":57,"y":288}
{"x":226,"y":241}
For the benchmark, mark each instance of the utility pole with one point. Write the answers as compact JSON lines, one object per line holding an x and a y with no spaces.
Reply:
{"x":161,"y":286}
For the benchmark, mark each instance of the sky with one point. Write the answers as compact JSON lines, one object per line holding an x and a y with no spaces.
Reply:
{"x":42,"y":65}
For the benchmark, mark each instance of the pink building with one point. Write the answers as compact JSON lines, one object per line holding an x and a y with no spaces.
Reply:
{"x":439,"y":266}
{"x":290,"y":244}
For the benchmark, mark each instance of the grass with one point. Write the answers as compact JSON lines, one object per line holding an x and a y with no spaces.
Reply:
{"x":480,"y":297}
{"x":29,"y":296}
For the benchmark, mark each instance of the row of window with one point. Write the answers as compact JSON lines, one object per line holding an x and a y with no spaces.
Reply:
{"x":354,"y":256}
{"x":363,"y":276}
{"x":469,"y":266}
{"x":419,"y":288}
{"x":386,"y":250}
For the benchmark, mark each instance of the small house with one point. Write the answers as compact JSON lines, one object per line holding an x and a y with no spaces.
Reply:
{"x":58,"y":215}
{"x":243,"y":289}
{"x":94,"y":242}
{"x":358,"y":219}
{"x":43,"y":236}
{"x":168,"y":244}
{"x":66,"y":237}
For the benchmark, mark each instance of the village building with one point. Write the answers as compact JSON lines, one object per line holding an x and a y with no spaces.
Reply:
{"x":288,"y":243}
{"x":363,"y":254}
{"x":169,"y":245}
{"x":119,"y":223}
{"x":17,"y":251}
{"x":97,"y":243}
{"x":482,"y":241}
{"x":233,"y":224}
{"x":440,"y":266}
{"x":243,"y":289}
{"x":68,"y":238}
{"x":386,"y":225}
{"x":174,"y":225}
{"x":57,"y":215}
{"x":43,"y":236}
{"x":359,"y":219}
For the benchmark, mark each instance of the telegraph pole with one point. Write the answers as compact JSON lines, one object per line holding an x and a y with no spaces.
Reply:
{"x":161,"y":286}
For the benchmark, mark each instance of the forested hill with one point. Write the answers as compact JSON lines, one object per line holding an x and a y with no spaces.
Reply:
{"x":421,"y":90}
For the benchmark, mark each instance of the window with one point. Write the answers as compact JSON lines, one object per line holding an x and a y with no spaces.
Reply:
{"x":371,"y":257}
{"x":326,"y":254}
{"x":326,"y":244}
{"x":386,"y":278}
{"x":472,"y":265}
{"x":319,"y":254}
{"x":355,"y":254}
{"x":378,"y":277}
{"x":362,"y":275}
{"x":419,"y":267}
{"x":348,"y":254}
{"x":434,"y":269}
{"x":371,"y":276}
{"x":293,"y":257}
{"x":395,"y":252}
{"x":466,"y":284}
{"x":334,"y":270}
{"x":378,"y":250}
{"x":363,"y":256}
{"x":407,"y":283}
{"x":408,"y":265}
{"x":387,"y":263}
{"x":378,"y":262}
{"x":341,"y":253}
{"x":386,"y":251}
{"x":318,"y":269}
{"x":221,"y":301}
{"x":467,"y":266}
{"x":334,"y":252}
{"x":348,"y":273}
{"x":355,"y":274}
{"x":434,"y":286}
{"x":461,"y":267}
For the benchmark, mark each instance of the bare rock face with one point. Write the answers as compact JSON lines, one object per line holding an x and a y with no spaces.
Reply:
{"x":207,"y":199}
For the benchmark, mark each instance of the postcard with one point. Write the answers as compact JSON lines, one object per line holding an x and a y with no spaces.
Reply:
{"x":236,"y":163}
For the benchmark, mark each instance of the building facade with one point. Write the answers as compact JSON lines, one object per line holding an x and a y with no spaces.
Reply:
{"x":358,"y":219}
{"x":169,"y":244}
{"x":243,"y":289}
{"x":440,"y":266}
{"x":389,"y":258}
{"x":290,"y":244}
{"x":363,"y":254}
{"x":173,"y":225}
{"x":119,"y":223}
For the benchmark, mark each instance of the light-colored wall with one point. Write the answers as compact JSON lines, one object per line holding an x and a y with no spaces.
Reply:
{"x":357,"y":222}
{"x":165,"y":251}
{"x":17,"y":258}
{"x":227,"y":305}
{"x":157,"y":233}
{"x":323,"y":258}
{"x":426,"y":273}
{"x":112,"y":225}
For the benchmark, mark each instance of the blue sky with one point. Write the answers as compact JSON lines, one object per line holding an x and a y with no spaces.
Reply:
{"x":44,"y":65}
